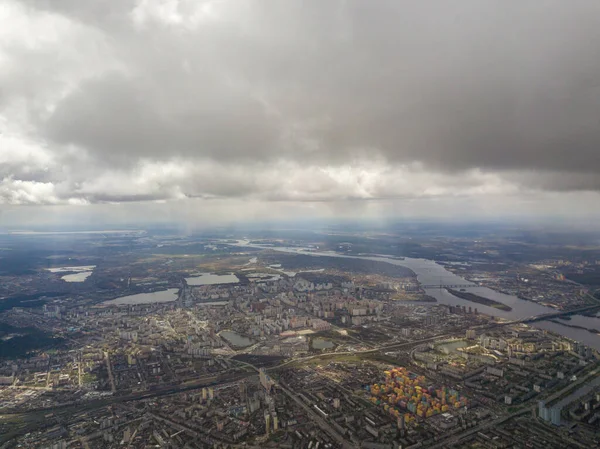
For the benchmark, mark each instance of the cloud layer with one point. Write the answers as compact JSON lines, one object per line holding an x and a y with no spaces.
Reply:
{"x":301,"y":101}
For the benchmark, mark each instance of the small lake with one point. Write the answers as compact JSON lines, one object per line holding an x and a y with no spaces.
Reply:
{"x":236,"y":339}
{"x":77,"y":277}
{"x":212,"y":279}
{"x":78,"y":274}
{"x":319,"y":343}
{"x":71,"y":269}
{"x":169,"y":295}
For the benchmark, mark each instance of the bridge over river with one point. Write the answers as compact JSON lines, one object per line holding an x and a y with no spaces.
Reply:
{"x":549,"y":316}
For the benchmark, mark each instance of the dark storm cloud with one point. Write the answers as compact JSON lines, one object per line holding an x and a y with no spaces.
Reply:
{"x":125,"y":117}
{"x":301,"y":100}
{"x":473,"y":84}
{"x":559,"y":181}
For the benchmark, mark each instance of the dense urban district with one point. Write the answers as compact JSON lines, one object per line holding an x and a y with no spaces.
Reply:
{"x":300,"y":339}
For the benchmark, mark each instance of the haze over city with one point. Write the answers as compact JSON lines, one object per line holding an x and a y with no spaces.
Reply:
{"x":229,"y":111}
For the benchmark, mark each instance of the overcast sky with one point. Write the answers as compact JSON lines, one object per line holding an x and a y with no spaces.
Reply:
{"x":218,"y":110}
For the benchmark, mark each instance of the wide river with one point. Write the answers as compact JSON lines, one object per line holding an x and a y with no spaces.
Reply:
{"x":430,"y":273}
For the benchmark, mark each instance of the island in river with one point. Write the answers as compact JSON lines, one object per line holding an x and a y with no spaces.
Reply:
{"x":479,"y":300}
{"x":575,"y":326}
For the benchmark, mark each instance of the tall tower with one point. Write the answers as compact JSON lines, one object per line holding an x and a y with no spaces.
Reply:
{"x":401,"y":422}
{"x":243,"y":391}
{"x":265,"y":380}
{"x":267,"y":422}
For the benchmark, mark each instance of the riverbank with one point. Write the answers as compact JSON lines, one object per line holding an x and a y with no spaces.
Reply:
{"x":430,"y":273}
{"x":479,"y":300}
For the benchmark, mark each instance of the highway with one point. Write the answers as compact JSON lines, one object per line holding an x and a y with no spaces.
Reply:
{"x":391,"y":346}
